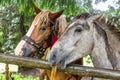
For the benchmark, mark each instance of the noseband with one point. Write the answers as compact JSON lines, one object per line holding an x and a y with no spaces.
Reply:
{"x":32,"y":42}
{"x":41,"y":50}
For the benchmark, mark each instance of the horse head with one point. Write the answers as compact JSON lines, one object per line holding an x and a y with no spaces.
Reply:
{"x":39,"y":34}
{"x":76,"y":42}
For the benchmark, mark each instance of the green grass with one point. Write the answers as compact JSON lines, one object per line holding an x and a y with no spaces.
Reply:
{"x":18,"y":76}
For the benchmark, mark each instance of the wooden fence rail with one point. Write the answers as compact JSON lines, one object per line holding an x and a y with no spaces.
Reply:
{"x":72,"y":69}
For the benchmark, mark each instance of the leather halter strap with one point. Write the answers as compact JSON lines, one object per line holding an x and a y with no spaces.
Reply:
{"x":32,"y":42}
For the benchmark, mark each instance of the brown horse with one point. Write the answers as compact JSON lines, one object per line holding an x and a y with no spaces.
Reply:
{"x":40,"y":33}
{"x":44,"y":28}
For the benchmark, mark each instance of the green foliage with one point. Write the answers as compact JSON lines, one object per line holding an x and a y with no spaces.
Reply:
{"x":87,"y":61}
{"x":1,"y":39}
{"x":2,"y":77}
{"x":19,"y":77}
{"x":71,"y":7}
{"x":9,"y":30}
{"x":23,"y":5}
{"x":113,"y":16}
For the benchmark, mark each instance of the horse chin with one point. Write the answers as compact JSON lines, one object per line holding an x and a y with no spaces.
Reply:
{"x":62,"y":64}
{"x":66,"y":61}
{"x":56,"y":61}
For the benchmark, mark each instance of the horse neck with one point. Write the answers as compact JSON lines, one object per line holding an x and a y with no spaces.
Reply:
{"x":113,"y":45}
{"x":62,"y":24}
{"x":99,"y":53}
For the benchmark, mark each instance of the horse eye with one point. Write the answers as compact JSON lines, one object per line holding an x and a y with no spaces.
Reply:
{"x":78,"y":30}
{"x":43,"y":28}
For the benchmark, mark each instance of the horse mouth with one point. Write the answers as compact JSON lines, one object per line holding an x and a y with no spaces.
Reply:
{"x":62,"y":63}
{"x":55,"y":58}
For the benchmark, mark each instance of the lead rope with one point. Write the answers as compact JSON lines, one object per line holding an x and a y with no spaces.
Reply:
{"x":53,"y":72}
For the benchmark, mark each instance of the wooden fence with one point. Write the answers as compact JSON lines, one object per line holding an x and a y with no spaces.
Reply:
{"x":72,"y":69}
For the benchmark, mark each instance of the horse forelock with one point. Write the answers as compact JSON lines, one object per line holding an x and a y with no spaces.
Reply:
{"x":82,"y":16}
{"x":42,"y":17}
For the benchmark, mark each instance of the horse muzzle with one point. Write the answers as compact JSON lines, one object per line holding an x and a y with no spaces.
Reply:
{"x":24,"y":49}
{"x":55,"y":57}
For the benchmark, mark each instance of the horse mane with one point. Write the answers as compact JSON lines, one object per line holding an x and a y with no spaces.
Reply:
{"x":111,"y":35}
{"x":62,"y":24}
{"x":114,"y":29}
{"x":82,"y":16}
{"x":104,"y":24}
{"x":112,"y":41}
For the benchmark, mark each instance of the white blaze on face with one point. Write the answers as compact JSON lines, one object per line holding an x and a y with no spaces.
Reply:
{"x":31,"y":29}
{"x":18,"y":49}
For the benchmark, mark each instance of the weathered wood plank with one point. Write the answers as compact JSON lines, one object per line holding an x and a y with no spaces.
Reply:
{"x":72,"y":69}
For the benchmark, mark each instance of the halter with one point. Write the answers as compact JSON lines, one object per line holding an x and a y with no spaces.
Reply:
{"x":39,"y":45}
{"x":32,"y":42}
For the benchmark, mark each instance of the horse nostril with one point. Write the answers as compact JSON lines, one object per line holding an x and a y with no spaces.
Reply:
{"x":53,"y":60}
{"x":23,"y":51}
{"x":54,"y":57}
{"x":26,"y":51}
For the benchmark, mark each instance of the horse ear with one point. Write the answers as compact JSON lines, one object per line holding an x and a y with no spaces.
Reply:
{"x":37,"y":10}
{"x":97,"y":17}
{"x":55,"y":15}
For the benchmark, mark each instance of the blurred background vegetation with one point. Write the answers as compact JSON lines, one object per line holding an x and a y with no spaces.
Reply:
{"x":16,"y":15}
